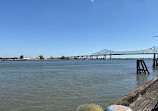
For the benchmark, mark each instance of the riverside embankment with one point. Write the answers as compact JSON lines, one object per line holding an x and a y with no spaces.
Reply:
{"x":144,"y":98}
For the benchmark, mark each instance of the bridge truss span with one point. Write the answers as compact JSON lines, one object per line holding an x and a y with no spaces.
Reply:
{"x":152,"y":50}
{"x":105,"y":52}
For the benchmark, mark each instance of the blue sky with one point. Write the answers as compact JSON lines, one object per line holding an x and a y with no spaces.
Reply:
{"x":76,"y":27}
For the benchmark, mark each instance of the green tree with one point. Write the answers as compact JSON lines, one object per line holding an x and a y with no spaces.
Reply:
{"x":41,"y":57}
{"x":51,"y":58}
{"x":67,"y":58}
{"x":63,"y":57}
{"x":21,"y":57}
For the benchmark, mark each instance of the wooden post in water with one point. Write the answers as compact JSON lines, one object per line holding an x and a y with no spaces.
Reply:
{"x":154,"y":59}
{"x":141,"y":67}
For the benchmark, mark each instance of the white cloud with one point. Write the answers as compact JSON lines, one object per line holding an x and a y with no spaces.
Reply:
{"x":92,"y":0}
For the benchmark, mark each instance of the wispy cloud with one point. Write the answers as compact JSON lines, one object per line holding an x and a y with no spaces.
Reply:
{"x":92,"y":0}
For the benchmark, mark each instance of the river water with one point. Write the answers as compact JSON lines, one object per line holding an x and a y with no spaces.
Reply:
{"x":64,"y":85}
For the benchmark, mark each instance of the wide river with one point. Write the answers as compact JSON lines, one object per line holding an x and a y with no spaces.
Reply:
{"x":64,"y":85}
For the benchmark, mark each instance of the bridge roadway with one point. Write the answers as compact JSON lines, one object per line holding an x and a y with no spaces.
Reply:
{"x":105,"y":52}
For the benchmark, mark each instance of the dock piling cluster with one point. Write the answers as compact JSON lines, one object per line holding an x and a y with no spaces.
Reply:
{"x":141,"y":67}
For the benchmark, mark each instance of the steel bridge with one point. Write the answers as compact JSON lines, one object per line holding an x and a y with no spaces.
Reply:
{"x":152,"y":50}
{"x":105,"y":52}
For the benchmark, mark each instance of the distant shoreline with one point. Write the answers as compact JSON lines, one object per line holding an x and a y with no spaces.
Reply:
{"x":70,"y":59}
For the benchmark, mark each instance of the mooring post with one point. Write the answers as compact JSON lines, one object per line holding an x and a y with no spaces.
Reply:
{"x":138,"y":67}
{"x":141,"y":67}
{"x":146,"y":69}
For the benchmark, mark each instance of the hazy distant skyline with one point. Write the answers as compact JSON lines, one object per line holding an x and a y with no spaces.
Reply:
{"x":76,"y":27}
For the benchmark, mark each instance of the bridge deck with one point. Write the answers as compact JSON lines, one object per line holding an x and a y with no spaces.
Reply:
{"x":144,"y":98}
{"x":105,"y":52}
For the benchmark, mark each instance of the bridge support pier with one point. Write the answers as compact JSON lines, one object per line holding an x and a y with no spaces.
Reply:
{"x":104,"y":57}
{"x":96,"y":57}
{"x":155,"y":61}
{"x":110,"y":57}
{"x":91,"y":57}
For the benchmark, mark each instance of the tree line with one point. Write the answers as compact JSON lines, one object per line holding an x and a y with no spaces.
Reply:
{"x":41,"y":57}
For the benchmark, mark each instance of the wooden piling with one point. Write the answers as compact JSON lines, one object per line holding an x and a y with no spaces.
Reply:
{"x":155,"y":61}
{"x":154,"y":58}
{"x":141,"y":67}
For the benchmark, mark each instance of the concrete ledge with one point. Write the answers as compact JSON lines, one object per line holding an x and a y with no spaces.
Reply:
{"x":131,"y":97}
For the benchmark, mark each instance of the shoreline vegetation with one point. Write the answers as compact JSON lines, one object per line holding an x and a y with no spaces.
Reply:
{"x":49,"y":59}
{"x":41,"y":58}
